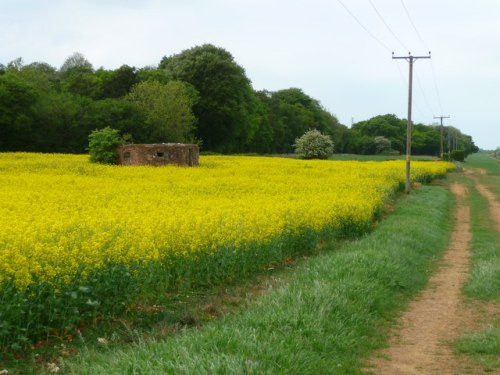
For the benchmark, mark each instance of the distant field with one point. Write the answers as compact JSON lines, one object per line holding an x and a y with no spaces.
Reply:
{"x":380,"y":157}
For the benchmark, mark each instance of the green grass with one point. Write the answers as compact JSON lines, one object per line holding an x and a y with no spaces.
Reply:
{"x":485,"y":161}
{"x":483,"y":346}
{"x":484,"y":282}
{"x":379,"y":157}
{"x":332,"y":313}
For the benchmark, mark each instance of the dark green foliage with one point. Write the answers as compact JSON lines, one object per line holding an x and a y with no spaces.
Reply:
{"x":50,"y":110}
{"x":117,"y":83}
{"x":103,"y":144}
{"x":458,"y":155}
{"x":362,"y":134}
{"x":285,"y":115}
{"x":425,"y":138}
{"x":17,"y":100}
{"x":225,"y":109}
{"x":50,"y":312}
{"x":167,"y":109}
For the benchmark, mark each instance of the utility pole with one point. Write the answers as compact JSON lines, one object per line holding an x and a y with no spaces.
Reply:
{"x":411,"y":59}
{"x":442,"y":131}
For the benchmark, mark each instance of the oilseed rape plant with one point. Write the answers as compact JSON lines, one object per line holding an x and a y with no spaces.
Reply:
{"x":78,"y":238}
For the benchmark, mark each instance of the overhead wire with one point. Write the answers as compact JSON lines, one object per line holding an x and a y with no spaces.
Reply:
{"x":438,"y":96}
{"x":436,"y":87}
{"x":387,"y":26}
{"x":363,"y":27}
{"x":424,"y":96}
{"x":414,"y":27}
{"x":383,"y":45}
{"x":405,"y":48}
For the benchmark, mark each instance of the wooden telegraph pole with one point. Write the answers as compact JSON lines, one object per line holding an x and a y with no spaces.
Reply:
{"x":442,"y":134}
{"x":410,"y":58}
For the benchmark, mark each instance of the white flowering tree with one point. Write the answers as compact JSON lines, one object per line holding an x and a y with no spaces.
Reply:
{"x":314,"y":145}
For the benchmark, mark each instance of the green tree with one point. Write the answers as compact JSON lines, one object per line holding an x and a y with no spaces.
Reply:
{"x":225,"y":110}
{"x":76,"y":61}
{"x":263,"y":140}
{"x":290,"y":113}
{"x":103,"y":145}
{"x":382,"y":144}
{"x":82,"y":83}
{"x":120,"y":114}
{"x":117,"y":83}
{"x":425,"y":140}
{"x":78,"y":77}
{"x":389,"y":126}
{"x":149,"y":73}
{"x":42,"y":76}
{"x":61,"y":124}
{"x":167,"y":108}
{"x":314,"y":145}
{"x":17,"y":99}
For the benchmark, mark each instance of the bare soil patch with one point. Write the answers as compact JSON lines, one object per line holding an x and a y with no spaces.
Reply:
{"x":421,"y":344}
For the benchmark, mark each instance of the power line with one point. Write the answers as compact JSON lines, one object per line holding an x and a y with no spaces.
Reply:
{"x":436,"y":88}
{"x":426,"y":101}
{"x":387,"y":26}
{"x":364,"y":28}
{"x":376,"y":39}
{"x":427,"y":47}
{"x":414,"y":27}
{"x":383,"y":45}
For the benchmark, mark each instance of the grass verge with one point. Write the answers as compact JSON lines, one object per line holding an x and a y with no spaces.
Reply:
{"x":327,"y":319}
{"x":484,"y":284}
{"x":485,"y":161}
{"x":483,"y":346}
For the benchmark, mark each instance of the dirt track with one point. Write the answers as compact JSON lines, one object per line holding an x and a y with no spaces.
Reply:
{"x":421,"y":342}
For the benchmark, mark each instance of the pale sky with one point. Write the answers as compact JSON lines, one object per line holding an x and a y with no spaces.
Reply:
{"x":315,"y":45}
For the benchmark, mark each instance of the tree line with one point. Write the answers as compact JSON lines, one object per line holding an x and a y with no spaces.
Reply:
{"x":198,"y":95}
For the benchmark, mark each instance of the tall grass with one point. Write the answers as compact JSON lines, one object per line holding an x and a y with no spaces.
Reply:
{"x":326,"y":320}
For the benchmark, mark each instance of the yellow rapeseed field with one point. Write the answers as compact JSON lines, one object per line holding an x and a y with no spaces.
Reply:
{"x":60,"y":214}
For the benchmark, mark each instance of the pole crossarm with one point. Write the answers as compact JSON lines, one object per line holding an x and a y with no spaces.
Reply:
{"x":410,"y":59}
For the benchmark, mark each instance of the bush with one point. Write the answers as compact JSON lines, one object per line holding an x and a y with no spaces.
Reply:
{"x":382,"y":144}
{"x":458,"y":155}
{"x":314,"y":145}
{"x":103,"y":144}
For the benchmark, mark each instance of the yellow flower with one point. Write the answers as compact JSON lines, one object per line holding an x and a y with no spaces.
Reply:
{"x":61,"y":214}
